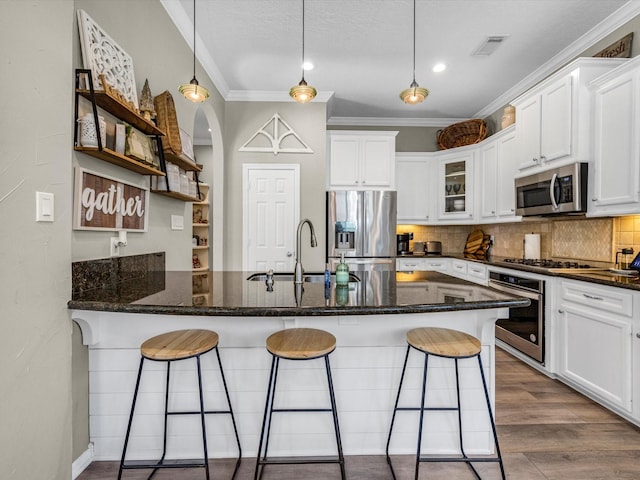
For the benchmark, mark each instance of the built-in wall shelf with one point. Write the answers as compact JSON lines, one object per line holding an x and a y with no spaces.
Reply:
{"x":201,"y":269}
{"x":116,"y":158}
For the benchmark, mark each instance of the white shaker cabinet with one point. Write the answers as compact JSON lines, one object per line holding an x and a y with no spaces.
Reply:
{"x":362,"y":160}
{"x":498,"y":165}
{"x":456,"y":185}
{"x":595,"y":325}
{"x":553,"y":118}
{"x":415,"y":180}
{"x":616,"y":166}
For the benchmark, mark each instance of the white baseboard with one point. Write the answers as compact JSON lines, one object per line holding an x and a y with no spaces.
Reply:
{"x":82,"y":462}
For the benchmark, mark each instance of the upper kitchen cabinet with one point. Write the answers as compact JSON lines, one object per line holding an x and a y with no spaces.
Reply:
{"x":553,"y":119}
{"x":361,"y":160}
{"x":416,"y":186}
{"x":497,"y":167}
{"x":616,"y":167}
{"x":455,"y":185}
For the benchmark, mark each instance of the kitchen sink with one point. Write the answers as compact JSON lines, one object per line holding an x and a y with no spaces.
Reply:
{"x":288,"y":277}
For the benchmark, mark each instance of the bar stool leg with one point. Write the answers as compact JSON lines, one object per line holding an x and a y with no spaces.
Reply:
{"x":204,"y":429}
{"x":459,"y":409}
{"x":268,"y":410}
{"x":493,"y":423}
{"x":233,"y":420}
{"x":424,"y":394}
{"x":395,"y":409}
{"x":334,"y":412}
{"x":133,"y":407}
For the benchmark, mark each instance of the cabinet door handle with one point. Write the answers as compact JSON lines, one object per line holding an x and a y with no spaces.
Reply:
{"x":364,"y":181}
{"x":543,"y":158}
{"x":534,"y":160}
{"x":592,"y":297}
{"x":594,"y":199}
{"x":493,"y":212}
{"x":289,"y":254}
{"x":512,"y":210}
{"x":637,"y":335}
{"x":560,"y":311}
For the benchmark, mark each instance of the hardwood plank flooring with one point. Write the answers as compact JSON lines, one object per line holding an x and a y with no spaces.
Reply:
{"x":546,"y":430}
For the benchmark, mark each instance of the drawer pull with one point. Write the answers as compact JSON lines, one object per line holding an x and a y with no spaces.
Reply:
{"x":593,"y":297}
{"x":637,"y":335}
{"x":560,"y":311}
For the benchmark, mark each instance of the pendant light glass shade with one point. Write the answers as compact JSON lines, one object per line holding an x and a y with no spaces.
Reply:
{"x":193,"y":91}
{"x":303,"y":93}
{"x":415,"y":93}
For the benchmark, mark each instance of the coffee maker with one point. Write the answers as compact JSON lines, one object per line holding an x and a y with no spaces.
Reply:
{"x":403,"y":243}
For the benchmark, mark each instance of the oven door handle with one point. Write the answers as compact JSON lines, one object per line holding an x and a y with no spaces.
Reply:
{"x":515,"y":291}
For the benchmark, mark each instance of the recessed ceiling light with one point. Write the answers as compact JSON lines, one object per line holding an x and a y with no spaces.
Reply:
{"x":307,"y":65}
{"x":439,"y":67}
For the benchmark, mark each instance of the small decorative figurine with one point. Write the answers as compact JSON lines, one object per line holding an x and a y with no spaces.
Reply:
{"x":147,"y":108}
{"x":196,"y":261}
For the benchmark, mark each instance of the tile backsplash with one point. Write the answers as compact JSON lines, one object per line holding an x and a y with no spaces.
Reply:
{"x":592,"y":239}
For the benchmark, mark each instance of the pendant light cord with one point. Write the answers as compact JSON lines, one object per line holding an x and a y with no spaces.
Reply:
{"x":302,"y":66}
{"x":414,"y":40}
{"x":194,"y":39}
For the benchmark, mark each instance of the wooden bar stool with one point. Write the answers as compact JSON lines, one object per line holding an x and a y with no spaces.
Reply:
{"x":297,"y":344}
{"x":446,"y":343}
{"x":171,"y":347}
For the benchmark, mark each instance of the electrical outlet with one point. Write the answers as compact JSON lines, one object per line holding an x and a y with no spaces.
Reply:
{"x":115,"y":250}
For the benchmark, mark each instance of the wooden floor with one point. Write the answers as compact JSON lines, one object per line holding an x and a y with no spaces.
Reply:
{"x":546,"y":431}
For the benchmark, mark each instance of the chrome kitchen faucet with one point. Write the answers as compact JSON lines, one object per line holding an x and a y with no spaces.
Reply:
{"x":314,"y":243}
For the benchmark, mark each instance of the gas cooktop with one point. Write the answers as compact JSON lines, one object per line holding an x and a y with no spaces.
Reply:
{"x":553,"y":265}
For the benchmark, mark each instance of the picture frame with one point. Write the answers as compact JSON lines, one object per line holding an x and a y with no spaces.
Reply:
{"x":103,"y":203}
{"x":139,"y":147}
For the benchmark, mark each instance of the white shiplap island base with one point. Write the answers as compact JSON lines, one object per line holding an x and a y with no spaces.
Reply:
{"x":366,"y":368}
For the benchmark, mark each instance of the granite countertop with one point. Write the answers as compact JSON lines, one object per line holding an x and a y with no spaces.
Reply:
{"x":231,"y":294}
{"x":602,"y":277}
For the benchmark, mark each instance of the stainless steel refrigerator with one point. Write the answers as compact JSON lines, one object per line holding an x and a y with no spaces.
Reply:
{"x":362,"y":226}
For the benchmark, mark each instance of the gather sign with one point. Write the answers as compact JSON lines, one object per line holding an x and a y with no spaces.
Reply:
{"x":104,"y":203}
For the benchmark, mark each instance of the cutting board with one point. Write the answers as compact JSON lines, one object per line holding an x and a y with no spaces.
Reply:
{"x":474,"y":241}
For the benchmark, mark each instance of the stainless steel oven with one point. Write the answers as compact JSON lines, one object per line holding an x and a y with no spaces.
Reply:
{"x":524,"y":329}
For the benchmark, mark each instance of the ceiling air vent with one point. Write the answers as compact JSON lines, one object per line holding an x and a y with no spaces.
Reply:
{"x":489,"y":45}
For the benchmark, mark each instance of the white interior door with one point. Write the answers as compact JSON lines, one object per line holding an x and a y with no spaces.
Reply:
{"x":271,"y":210}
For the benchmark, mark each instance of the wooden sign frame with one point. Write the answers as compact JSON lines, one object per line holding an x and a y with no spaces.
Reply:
{"x":108,"y":204}
{"x":619,"y":49}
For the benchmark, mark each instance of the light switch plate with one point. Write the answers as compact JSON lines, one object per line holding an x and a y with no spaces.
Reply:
{"x":44,"y":207}
{"x":177,"y":222}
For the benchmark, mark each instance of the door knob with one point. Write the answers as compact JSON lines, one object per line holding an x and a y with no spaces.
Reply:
{"x":289,"y":254}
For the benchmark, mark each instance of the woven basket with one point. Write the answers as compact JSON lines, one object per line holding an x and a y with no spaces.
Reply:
{"x":462,"y":133}
{"x":168,"y":122}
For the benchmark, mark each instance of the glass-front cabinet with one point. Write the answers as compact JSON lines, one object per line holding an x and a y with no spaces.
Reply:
{"x":456,"y":186}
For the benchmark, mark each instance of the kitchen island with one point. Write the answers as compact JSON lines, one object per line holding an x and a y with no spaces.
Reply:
{"x":369,"y":320}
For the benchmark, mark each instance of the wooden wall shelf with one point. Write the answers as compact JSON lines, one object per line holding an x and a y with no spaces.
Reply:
{"x":177,"y":195}
{"x":182,"y":162}
{"x":115,"y":158}
{"x":121,"y":110}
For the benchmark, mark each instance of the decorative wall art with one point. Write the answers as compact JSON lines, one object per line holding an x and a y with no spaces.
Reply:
{"x":102,"y":55}
{"x":139,"y":147}
{"x":105,"y":203}
{"x":269,"y":139}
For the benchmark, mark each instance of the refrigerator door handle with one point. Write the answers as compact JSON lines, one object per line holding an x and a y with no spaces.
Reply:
{"x":365,"y":230}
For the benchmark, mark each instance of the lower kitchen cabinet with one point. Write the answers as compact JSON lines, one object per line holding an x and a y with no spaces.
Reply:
{"x":595,"y":343}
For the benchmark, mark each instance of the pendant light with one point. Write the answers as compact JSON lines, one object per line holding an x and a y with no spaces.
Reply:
{"x":415,"y":93}
{"x":303,"y":93}
{"x":193,"y":91}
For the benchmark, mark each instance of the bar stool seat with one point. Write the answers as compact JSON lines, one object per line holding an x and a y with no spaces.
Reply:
{"x":298,"y":344}
{"x":456,"y":345}
{"x":170,"y":347}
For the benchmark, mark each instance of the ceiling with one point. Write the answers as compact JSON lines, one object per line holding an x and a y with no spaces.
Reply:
{"x":362,"y":50}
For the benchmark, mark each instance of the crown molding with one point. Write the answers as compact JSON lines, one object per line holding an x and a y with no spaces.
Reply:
{"x":614,"y":21}
{"x":392,"y":122}
{"x":185,"y":26}
{"x":270,"y":96}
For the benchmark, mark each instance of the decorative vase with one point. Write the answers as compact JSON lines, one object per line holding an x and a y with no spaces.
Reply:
{"x":88,"y":136}
{"x":508,"y":116}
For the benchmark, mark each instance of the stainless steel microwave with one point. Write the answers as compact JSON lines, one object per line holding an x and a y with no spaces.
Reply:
{"x":561,"y":190}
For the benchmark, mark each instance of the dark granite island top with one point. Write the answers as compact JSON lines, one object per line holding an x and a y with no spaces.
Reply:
{"x":232,"y":294}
